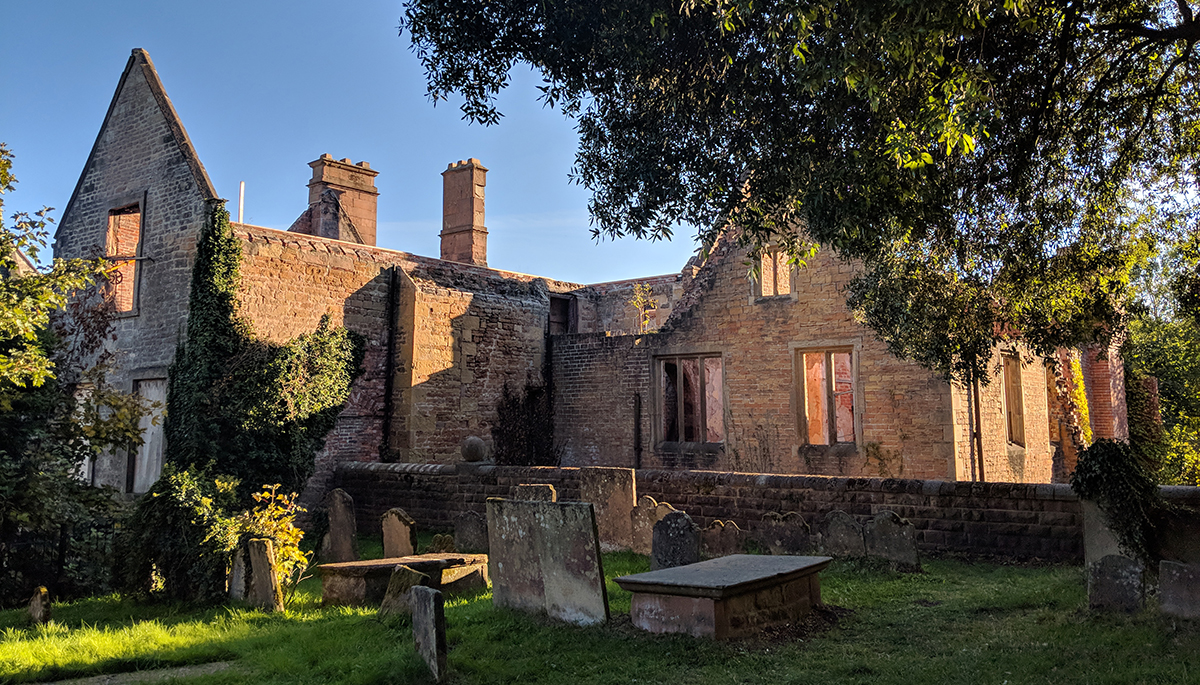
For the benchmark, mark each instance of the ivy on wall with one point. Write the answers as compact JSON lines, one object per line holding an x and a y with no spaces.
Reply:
{"x":1079,"y":399}
{"x":244,"y":407}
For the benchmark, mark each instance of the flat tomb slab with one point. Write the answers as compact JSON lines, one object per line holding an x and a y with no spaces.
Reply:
{"x":728,"y":597}
{"x":364,"y":583}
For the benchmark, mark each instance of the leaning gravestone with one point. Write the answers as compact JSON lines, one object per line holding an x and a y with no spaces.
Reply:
{"x":429,"y":628}
{"x":341,"y":542}
{"x":535,"y":492}
{"x":1179,"y":589}
{"x":396,"y":601}
{"x":843,"y":535}
{"x":546,"y":558}
{"x":676,"y":542}
{"x":642,"y":519}
{"x":721,"y":539}
{"x":39,"y":606}
{"x":399,"y":534}
{"x":471,"y":532}
{"x":238,"y":578}
{"x":613,"y":493}
{"x":1116,"y":583}
{"x":264,"y":591}
{"x":890,"y":537}
{"x":783,"y":533}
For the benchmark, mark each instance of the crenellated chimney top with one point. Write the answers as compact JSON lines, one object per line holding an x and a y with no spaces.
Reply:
{"x":353,"y":188}
{"x":464,"y":237}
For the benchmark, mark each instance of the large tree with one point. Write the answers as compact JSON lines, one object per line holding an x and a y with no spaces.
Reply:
{"x":987,"y":164}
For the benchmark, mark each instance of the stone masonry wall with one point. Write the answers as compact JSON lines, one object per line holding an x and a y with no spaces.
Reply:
{"x":904,"y":415}
{"x":137,"y":159}
{"x":461,"y":332}
{"x":1019,"y":521}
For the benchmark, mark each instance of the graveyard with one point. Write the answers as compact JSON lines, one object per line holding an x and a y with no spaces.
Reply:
{"x":957,"y":622}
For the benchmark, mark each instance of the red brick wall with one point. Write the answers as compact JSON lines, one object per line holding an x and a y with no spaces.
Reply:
{"x":906,"y":420}
{"x":1104,"y":378}
{"x":1003,"y":519}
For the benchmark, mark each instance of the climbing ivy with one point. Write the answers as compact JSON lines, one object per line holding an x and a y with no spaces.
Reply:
{"x":248,"y":408}
{"x":1114,"y":476}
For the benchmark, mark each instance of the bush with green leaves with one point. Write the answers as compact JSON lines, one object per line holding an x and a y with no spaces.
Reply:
{"x":250,"y":408}
{"x":178,"y":543}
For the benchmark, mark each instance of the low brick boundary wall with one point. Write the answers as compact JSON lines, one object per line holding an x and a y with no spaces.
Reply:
{"x":999,"y":519}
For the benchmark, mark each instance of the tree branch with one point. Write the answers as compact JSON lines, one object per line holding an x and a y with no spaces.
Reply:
{"x":1189,"y":30}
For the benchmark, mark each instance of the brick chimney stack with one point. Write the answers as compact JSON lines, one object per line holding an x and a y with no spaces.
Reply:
{"x":355,"y":188}
{"x":464,"y":237}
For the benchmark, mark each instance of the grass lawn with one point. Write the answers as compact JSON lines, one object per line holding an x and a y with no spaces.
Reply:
{"x":956,"y":623}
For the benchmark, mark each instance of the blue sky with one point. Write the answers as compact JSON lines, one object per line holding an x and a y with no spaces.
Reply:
{"x":263,"y":88}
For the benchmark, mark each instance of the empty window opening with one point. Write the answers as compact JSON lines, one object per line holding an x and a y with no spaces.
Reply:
{"x":1014,"y":410}
{"x":121,"y":247}
{"x":775,"y":274}
{"x":693,"y":408}
{"x":828,"y":393}
{"x":147,"y":462}
{"x":562,"y":315}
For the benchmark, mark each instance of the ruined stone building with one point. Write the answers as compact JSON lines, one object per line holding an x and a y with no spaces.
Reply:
{"x":722,"y":373}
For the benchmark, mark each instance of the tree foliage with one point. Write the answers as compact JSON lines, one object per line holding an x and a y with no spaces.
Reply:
{"x":58,"y":413}
{"x":987,"y":164}
{"x":251,"y":409}
{"x":28,"y":294}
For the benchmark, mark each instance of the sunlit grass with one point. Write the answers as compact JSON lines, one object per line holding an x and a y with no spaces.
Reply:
{"x":956,"y":623}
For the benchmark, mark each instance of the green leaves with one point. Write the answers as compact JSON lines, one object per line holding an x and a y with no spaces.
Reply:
{"x":968,"y":144}
{"x":250,"y":408}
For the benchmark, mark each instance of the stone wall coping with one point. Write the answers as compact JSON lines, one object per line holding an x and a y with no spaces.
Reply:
{"x":432,"y":469}
{"x":930,"y":488}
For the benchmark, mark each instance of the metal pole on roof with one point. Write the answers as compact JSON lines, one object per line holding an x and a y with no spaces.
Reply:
{"x":241,"y":199}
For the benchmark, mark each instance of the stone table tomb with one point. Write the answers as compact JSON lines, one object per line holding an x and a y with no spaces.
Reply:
{"x":365,"y":583}
{"x":728,"y":597}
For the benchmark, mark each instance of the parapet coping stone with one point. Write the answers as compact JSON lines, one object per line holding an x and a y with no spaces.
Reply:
{"x":724,"y":577}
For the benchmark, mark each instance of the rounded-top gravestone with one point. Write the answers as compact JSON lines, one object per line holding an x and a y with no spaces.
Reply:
{"x":474,"y":449}
{"x":676,"y":542}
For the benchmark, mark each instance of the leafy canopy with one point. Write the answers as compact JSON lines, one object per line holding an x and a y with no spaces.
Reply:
{"x":986,"y":163}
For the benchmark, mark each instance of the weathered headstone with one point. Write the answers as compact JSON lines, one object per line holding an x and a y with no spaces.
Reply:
{"x":535,"y":492}
{"x":264,"y":591}
{"x":1179,"y":589}
{"x":429,"y":628}
{"x":783,"y":533}
{"x":474,"y":449}
{"x":642,"y":519}
{"x":442,"y":543}
{"x":1116,"y":583}
{"x":890,"y":537}
{"x":396,"y":601}
{"x":843,"y":535}
{"x":613,"y":493}
{"x":341,"y":541}
{"x":721,"y":539}
{"x":676,"y":542}
{"x":39,"y":606}
{"x":399,"y":534}
{"x":238,"y":578}
{"x":471,"y":532}
{"x":546,"y":557}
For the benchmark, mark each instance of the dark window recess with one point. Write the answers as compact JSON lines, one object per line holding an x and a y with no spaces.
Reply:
{"x":692,"y":405}
{"x":562,"y":315}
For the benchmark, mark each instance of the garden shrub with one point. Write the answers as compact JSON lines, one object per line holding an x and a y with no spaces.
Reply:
{"x":274,"y":517}
{"x":178,"y":543}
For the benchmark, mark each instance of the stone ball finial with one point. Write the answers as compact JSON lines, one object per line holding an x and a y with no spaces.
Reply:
{"x":474,"y":449}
